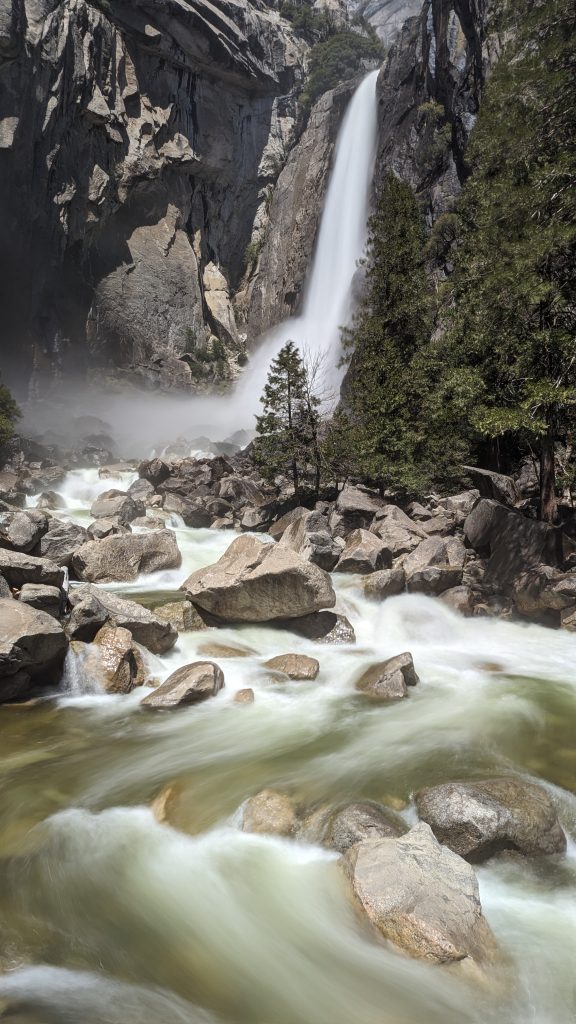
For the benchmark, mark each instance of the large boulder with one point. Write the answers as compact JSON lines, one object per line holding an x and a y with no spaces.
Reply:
{"x":434,"y":579}
{"x":322,"y":627}
{"x":60,"y":541}
{"x":422,"y":897}
{"x":480,"y":819}
{"x":180,"y":614}
{"x":117,"y":505}
{"x":512,"y":543}
{"x":495,"y":486}
{"x":113,"y":661}
{"x":141,"y":490}
{"x":259,"y":581}
{"x":385,"y":583}
{"x":18,"y":568}
{"x":295,"y":666}
{"x":397,"y":531}
{"x":388,"y":680}
{"x":363,"y":553}
{"x":190,"y":684}
{"x":22,"y":530}
{"x":309,"y":535}
{"x":354,"y":509}
{"x":45,"y":599}
{"x":341,"y":827}
{"x":108,"y":526}
{"x":93,"y":607}
{"x":116,"y":559}
{"x":271,"y":813}
{"x":32,"y":649}
{"x":154,"y":471}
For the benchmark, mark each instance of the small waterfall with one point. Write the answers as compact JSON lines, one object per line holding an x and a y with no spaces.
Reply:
{"x":340,"y":244}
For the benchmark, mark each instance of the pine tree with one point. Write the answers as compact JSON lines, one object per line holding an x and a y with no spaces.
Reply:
{"x":287,"y":430}
{"x":382,"y":392}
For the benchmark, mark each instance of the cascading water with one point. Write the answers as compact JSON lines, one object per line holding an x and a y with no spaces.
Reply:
{"x":340,"y":245}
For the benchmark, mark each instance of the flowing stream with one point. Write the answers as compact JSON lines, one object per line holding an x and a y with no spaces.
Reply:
{"x":108,"y":916}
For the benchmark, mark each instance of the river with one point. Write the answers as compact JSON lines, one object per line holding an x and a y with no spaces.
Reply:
{"x":109,"y":916}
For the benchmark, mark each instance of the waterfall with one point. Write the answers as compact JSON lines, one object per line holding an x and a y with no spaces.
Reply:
{"x":340,"y":244}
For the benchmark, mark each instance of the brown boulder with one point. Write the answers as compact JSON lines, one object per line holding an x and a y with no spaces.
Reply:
{"x":190,"y":684}
{"x":388,"y":680}
{"x":295,"y":666}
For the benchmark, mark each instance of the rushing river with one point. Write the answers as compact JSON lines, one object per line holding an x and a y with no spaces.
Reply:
{"x":108,"y":916}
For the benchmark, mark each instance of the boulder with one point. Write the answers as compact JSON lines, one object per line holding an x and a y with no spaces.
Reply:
{"x":322,"y":627}
{"x":117,"y":505}
{"x":113,"y":661}
{"x":340,"y":828}
{"x":354,"y":509}
{"x":180,"y":614}
{"x":432,"y":551}
{"x":388,"y":680}
{"x":397,"y":531}
{"x":51,"y":500}
{"x":18,"y":568}
{"x":422,"y":897}
{"x":22,"y":530}
{"x":494,"y":485}
{"x":245,"y":696}
{"x":385,"y":583}
{"x":512,"y":543}
{"x":32,"y":649}
{"x":459,"y":505}
{"x":270,"y":813}
{"x":190,"y":684}
{"x":4,"y":588}
{"x":256,"y":519}
{"x":309,"y":535}
{"x":278,"y":528}
{"x":460,"y":599}
{"x":216,"y":650}
{"x":434,"y":580}
{"x":438,"y":525}
{"x":239,"y":491}
{"x":295,"y":666}
{"x":110,"y":526}
{"x":116,"y":559}
{"x":45,"y":599}
{"x":154,"y":470}
{"x":141,"y":490}
{"x":363,"y":553}
{"x":259,"y":581}
{"x":60,"y":542}
{"x":479,"y":819}
{"x":92,"y":607}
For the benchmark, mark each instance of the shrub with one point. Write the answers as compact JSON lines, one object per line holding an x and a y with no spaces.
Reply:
{"x":336,"y":60}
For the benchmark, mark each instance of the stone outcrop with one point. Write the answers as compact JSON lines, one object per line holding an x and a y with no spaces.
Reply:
{"x":32,"y":649}
{"x":480,"y":819}
{"x":422,"y":897}
{"x":139,"y":145}
{"x":259,"y":581}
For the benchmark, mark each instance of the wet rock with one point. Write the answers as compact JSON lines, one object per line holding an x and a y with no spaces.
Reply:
{"x":270,"y":813}
{"x":216,"y":650}
{"x":107,"y":527}
{"x":258,"y":581}
{"x":45,"y":599}
{"x":117,"y":505}
{"x":422,"y":897}
{"x":113,"y":661}
{"x":480,"y":819}
{"x":363,"y":553}
{"x":340,"y":828}
{"x":309,"y":535}
{"x":141,"y":490}
{"x":460,"y":599}
{"x":18,"y":568}
{"x":32,"y":649}
{"x":495,"y":486}
{"x":322,"y":627}
{"x":245,"y":696}
{"x":180,"y":614}
{"x":22,"y":530}
{"x":434,"y":580}
{"x":295,"y":666}
{"x":61,"y":541}
{"x":385,"y":583}
{"x":388,"y":680}
{"x":354,"y":509}
{"x":154,"y":471}
{"x":51,"y":500}
{"x":190,"y":684}
{"x":92,"y":607}
{"x":116,"y":559}
{"x":397,"y":531}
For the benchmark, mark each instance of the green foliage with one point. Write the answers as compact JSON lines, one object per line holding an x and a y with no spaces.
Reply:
{"x":336,"y":60}
{"x":287,"y":430}
{"x":310,"y":24}
{"x":511,"y":340}
{"x":9,"y":414}
{"x":251,"y":253}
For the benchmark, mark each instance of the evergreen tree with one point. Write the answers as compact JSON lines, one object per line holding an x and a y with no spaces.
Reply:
{"x":9,"y":413}
{"x":383,"y":389}
{"x":287,"y":430}
{"x":510,"y":351}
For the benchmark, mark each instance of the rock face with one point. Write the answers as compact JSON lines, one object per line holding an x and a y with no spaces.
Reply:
{"x":92,"y":607}
{"x":32,"y":649}
{"x":190,"y":684}
{"x":158,"y":129}
{"x":124,"y":557}
{"x":256,"y":581}
{"x":480,"y":819}
{"x":422,"y":897}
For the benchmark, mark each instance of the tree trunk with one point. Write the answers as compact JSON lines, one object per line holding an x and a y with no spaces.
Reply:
{"x":548,"y":503}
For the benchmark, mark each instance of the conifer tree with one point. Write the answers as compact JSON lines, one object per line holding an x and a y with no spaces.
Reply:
{"x":9,"y":413}
{"x":287,"y":430}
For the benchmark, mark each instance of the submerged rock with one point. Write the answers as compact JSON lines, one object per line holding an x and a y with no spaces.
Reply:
{"x":271,"y":813}
{"x":92,"y":607}
{"x":116,"y":559}
{"x":32,"y":649}
{"x":480,"y":819}
{"x":388,"y":680}
{"x":259,"y":581}
{"x":295,"y":666}
{"x":422,"y":897}
{"x":190,"y":684}
{"x":245,"y":696}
